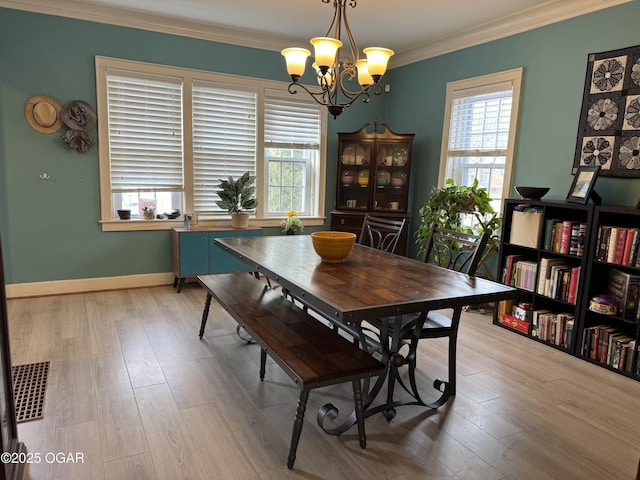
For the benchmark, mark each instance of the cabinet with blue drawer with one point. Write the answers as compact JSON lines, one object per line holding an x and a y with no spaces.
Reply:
{"x":193,"y":252}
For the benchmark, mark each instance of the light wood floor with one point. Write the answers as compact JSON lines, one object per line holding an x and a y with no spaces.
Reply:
{"x":139,"y":396}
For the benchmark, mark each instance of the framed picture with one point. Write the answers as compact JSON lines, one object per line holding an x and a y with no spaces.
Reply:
{"x":582,"y":187}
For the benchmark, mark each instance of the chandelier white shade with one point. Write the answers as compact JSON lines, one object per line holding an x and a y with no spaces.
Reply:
{"x":335,"y":72}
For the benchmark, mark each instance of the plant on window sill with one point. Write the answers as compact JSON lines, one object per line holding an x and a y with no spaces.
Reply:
{"x":292,"y":224}
{"x":236,"y":197}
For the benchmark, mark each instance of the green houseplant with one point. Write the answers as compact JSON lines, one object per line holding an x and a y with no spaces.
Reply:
{"x":237,"y":196}
{"x":445,"y":205}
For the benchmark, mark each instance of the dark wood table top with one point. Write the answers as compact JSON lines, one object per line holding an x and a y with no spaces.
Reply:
{"x":369,"y":284}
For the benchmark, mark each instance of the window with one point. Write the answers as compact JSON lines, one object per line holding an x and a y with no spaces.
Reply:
{"x":292,"y":150}
{"x":479,"y":132}
{"x":168,"y":135}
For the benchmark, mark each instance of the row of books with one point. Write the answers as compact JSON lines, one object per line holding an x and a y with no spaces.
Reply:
{"x":555,"y":328}
{"x":545,"y":325}
{"x":524,"y":275}
{"x":608,"y":345}
{"x":625,"y":288}
{"x":619,"y":245}
{"x":565,"y":236}
{"x":558,"y":280}
{"x":552,"y":278}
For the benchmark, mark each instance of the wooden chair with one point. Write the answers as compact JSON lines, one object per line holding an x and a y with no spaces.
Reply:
{"x":381,"y":232}
{"x":449,"y":249}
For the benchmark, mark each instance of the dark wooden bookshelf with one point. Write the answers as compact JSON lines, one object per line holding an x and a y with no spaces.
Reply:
{"x":593,"y":274}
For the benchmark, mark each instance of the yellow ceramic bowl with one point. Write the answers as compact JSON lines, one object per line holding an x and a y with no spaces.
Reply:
{"x":333,"y":247}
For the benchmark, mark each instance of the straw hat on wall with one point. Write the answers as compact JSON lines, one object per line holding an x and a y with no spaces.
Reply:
{"x":43,"y":114}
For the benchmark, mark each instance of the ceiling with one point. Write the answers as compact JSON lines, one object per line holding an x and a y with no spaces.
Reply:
{"x":415,"y":29}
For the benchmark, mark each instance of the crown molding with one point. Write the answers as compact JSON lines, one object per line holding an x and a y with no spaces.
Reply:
{"x":151,"y":22}
{"x":546,"y":14}
{"x":505,"y":27}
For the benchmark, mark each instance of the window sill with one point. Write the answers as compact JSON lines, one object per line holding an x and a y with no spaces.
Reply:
{"x":140,"y":225}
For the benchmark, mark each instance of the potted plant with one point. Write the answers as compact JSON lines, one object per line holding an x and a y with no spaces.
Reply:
{"x":292,"y":224}
{"x":444,"y":207}
{"x":237,"y":196}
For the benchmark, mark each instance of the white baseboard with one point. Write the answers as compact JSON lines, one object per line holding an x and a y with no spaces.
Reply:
{"x":60,"y":287}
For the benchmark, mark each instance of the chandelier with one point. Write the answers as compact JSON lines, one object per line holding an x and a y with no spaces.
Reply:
{"x":335,"y":74}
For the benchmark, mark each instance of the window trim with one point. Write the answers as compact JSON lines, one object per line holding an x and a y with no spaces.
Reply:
{"x":107,"y":221}
{"x":485,"y":83}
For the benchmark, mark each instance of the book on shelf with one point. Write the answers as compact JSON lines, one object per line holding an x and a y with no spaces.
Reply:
{"x":565,"y":236}
{"x":627,"y":356}
{"x":621,"y":240}
{"x":625,"y":288}
{"x":557,"y":237}
{"x":634,"y":254}
{"x":574,"y":238}
{"x":603,"y":341}
{"x":574,"y":282}
{"x":582,"y":238}
{"x":626,"y":254}
{"x":602,"y":246}
{"x":614,"y":339}
{"x":548,"y":233}
{"x":611,"y":247}
{"x":619,"y":350}
{"x":535,"y":322}
{"x":570,"y":333}
{"x":507,"y":274}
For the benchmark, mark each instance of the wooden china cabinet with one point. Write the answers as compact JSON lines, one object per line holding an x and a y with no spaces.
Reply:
{"x":373,"y":177}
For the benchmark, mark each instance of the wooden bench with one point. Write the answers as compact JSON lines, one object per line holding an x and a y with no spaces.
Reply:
{"x":312,"y":354}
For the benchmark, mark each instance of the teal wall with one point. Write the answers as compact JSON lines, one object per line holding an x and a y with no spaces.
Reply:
{"x":50,"y":229}
{"x":554,"y":59}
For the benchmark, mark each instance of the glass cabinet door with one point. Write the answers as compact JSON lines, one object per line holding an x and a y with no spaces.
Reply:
{"x":391,"y":177}
{"x":354,"y":169}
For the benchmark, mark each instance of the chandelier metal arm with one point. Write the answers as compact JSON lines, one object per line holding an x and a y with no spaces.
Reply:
{"x":325,"y":98}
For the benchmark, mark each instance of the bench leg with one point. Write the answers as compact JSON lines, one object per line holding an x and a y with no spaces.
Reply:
{"x":263,"y":363}
{"x":297,"y":427}
{"x":205,"y":314}
{"x":357,"y":400}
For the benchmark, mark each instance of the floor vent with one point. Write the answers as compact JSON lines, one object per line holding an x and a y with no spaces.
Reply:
{"x":29,"y":387}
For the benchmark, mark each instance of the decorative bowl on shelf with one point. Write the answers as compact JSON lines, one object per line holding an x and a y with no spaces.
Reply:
{"x":398,"y":179}
{"x":333,"y":246}
{"x":532,"y":193}
{"x":383,"y":178}
{"x":363,"y":177}
{"x":348,"y":177}
{"x":124,"y":214}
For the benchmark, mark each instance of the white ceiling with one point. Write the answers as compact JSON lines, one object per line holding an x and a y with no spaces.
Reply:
{"x":415,"y":29}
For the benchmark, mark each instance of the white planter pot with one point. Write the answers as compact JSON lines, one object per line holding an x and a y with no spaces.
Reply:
{"x":239,"y":220}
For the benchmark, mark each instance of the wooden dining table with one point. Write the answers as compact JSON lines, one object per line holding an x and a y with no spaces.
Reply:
{"x":369,"y":284}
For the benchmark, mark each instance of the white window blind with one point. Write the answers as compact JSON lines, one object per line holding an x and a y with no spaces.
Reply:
{"x":224,"y":138}
{"x":480,"y":124}
{"x":145,"y":133}
{"x":290,"y":122}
